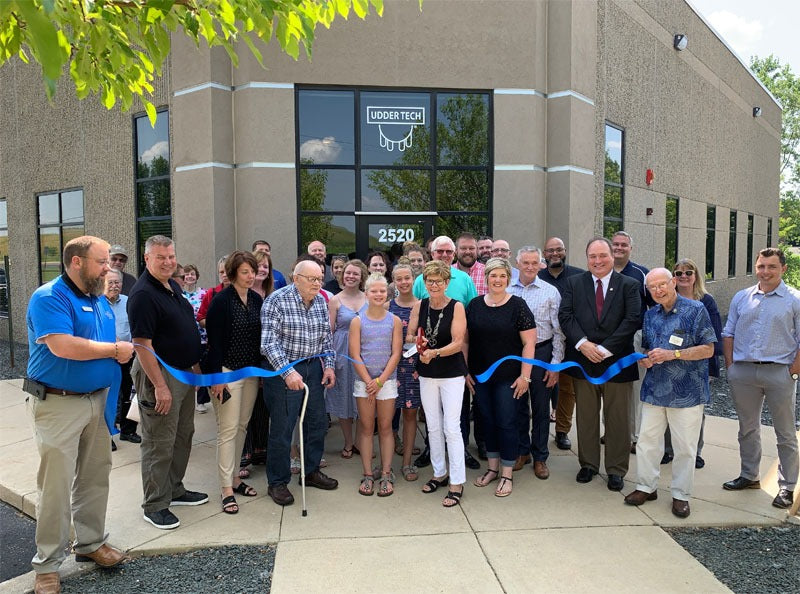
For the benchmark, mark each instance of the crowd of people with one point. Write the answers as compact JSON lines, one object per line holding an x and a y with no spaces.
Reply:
{"x":397,"y":338}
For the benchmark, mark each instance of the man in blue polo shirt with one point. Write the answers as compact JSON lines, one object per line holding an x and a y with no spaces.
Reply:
{"x":678,"y":338}
{"x":73,"y":360}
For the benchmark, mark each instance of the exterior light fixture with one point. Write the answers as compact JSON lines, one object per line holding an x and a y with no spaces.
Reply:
{"x":756,"y":112}
{"x":680,"y":41}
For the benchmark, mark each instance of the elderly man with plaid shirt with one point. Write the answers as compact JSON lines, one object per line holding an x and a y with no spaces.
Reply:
{"x":295,"y":326}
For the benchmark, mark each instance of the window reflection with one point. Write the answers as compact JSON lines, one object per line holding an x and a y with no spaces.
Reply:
{"x":395,"y":190}
{"x":152,"y":145}
{"x":338,"y":233}
{"x":395,"y":128}
{"x":48,"y":209}
{"x":327,"y":189}
{"x":326,"y":130}
{"x":462,"y":190}
{"x":462,"y":129}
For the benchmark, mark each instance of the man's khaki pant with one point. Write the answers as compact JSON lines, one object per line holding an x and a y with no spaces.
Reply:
{"x":75,"y":461}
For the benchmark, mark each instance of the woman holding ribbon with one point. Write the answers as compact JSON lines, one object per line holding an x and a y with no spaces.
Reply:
{"x":376,"y":343}
{"x":498,"y":325}
{"x":342,"y":308}
{"x":441,"y":370}
{"x":233,"y":324}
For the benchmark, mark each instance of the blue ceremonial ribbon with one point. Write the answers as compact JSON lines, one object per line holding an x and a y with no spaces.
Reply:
{"x":110,"y":411}
{"x":612,"y":370}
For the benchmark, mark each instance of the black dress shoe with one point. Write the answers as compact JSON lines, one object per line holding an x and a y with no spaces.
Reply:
{"x":666,"y":458}
{"x":424,"y":459}
{"x":280,"y":494}
{"x":471,"y":462}
{"x":783,"y":499}
{"x":585,"y":475}
{"x":699,"y":462}
{"x":615,"y":482}
{"x":482,"y":451}
{"x":562,"y":441}
{"x":740,"y":483}
{"x":113,"y":446}
{"x":131,"y":437}
{"x":320,"y":480}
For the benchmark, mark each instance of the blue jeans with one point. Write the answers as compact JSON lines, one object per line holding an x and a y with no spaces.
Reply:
{"x":284,"y":406}
{"x":499,"y":414}
{"x":536,"y":443}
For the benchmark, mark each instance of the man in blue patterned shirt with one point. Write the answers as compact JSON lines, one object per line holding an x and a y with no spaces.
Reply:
{"x":295,"y":325}
{"x":677,"y":337}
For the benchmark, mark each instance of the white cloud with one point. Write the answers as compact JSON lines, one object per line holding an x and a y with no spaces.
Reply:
{"x":324,"y":150}
{"x":159,"y":149}
{"x":742,"y":35}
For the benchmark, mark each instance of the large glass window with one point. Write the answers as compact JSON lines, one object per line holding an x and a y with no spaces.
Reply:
{"x":375,"y":151}
{"x":671,"y":233}
{"x":614,"y":176}
{"x":60,"y":218}
{"x":732,"y":245}
{"x":3,"y":254}
{"x":749,"y":244}
{"x":153,"y":193}
{"x":711,"y":235}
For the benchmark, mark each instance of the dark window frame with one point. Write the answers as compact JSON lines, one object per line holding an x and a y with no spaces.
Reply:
{"x":672,"y":228}
{"x":733,"y":221}
{"x":3,"y":284}
{"x":618,"y":222}
{"x":711,"y":236}
{"x":769,"y":233}
{"x":137,"y":181}
{"x":60,"y":225}
{"x":432,"y":167}
{"x":750,"y":226}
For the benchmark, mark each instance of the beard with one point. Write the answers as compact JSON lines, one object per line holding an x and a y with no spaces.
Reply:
{"x":93,"y":286}
{"x":559,"y":264}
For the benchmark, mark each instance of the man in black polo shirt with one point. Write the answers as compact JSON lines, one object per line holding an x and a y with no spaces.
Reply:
{"x":557,"y":273}
{"x":162,"y":319}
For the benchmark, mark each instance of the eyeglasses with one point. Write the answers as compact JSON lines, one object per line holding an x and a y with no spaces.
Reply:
{"x":554,"y":250}
{"x":103,"y":262}
{"x":444,"y":251}
{"x":500,"y":250}
{"x":680,"y":273}
{"x":659,"y":286}
{"x":119,"y":259}
{"x":314,"y":280}
{"x":112,"y":283}
{"x":436,"y":282}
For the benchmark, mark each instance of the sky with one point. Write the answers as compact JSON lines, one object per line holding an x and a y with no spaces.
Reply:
{"x":756,"y":28}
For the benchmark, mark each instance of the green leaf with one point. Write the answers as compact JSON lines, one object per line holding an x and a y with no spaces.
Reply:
{"x":361,"y":8}
{"x":152,"y":114}
{"x":44,"y":40}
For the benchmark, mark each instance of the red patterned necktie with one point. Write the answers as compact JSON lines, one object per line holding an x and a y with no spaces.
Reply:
{"x":598,"y":298}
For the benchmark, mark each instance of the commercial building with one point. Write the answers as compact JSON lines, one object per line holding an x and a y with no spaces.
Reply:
{"x":519,"y":119}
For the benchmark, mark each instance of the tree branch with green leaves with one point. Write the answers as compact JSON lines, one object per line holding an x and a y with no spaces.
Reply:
{"x":115,"y":48}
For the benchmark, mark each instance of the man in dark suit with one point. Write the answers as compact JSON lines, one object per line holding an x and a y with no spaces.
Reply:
{"x":599,"y":314}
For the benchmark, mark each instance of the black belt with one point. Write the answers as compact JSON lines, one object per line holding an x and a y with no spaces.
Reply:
{"x":60,"y":392}
{"x":764,"y":362}
{"x":544,"y":342}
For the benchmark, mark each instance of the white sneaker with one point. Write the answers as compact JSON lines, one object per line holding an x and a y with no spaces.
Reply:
{"x":201,"y":408}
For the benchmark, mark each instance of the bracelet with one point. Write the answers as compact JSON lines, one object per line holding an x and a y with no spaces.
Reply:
{"x":379,"y":382}
{"x":527,"y":379}
{"x":116,"y":350}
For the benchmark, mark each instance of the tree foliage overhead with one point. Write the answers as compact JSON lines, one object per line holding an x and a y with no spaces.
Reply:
{"x":115,"y":48}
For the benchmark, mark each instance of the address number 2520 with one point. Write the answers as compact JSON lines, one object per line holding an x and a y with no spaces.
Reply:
{"x":395,"y":235}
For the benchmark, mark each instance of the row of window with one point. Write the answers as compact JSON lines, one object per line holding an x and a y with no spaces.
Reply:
{"x":613,"y":210}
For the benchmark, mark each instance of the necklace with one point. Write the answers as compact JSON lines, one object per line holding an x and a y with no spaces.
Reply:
{"x":432,"y":334}
{"x":491,"y":303}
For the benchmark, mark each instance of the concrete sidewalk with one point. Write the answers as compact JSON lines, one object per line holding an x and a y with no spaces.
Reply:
{"x":553,"y":535}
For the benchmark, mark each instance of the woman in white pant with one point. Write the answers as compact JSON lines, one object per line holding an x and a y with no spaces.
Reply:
{"x":441,"y":370}
{"x":233,"y":324}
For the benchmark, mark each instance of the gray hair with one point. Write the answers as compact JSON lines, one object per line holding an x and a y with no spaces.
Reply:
{"x":494,"y":264}
{"x":528,"y":249}
{"x":157,"y":240}
{"x":624,"y":234}
{"x":115,"y":271}
{"x":441,"y":240}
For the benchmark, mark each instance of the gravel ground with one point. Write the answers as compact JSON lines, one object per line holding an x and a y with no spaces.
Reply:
{"x":751,"y":560}
{"x":235,"y":569}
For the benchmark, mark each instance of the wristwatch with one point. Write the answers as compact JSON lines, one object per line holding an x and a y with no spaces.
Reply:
{"x":677,"y":353}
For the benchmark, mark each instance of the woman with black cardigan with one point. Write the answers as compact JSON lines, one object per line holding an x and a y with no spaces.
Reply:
{"x":233,"y":324}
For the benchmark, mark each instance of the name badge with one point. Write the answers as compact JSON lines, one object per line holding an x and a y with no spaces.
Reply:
{"x":87,"y":308}
{"x":676,"y":340}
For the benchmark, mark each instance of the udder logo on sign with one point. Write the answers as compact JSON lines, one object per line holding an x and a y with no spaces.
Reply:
{"x":407,"y":117}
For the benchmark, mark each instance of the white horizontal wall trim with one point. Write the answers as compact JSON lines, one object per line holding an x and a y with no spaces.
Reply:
{"x":572,"y":168}
{"x":203,"y":166}
{"x":519,"y":92}
{"x":574,"y":94}
{"x":264,"y":165}
{"x":203,"y":87}
{"x":518,"y":168}
{"x":263,"y":85}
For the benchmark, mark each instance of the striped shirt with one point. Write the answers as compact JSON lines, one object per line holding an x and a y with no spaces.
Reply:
{"x":543,"y":299}
{"x":292,"y":331}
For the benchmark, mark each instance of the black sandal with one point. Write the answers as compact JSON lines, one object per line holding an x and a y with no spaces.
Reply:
{"x":498,"y":492}
{"x":434,"y":484}
{"x":245,"y":489}
{"x":229,"y":505}
{"x":453,"y":496}
{"x":483,"y":482}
